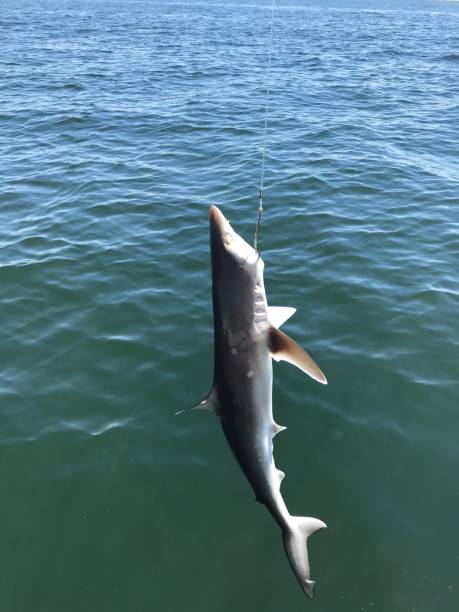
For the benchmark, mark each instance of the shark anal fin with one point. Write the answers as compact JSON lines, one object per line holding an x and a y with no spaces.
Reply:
{"x":280,"y":475}
{"x":279,"y":314}
{"x":284,"y":348}
{"x":208,"y":403}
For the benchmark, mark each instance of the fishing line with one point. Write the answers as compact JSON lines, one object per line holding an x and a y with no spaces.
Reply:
{"x":265,"y":130}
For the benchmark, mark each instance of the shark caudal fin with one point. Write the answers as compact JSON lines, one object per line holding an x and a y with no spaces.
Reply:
{"x":295,"y":537}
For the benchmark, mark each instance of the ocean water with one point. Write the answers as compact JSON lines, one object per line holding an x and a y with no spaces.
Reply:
{"x":120,"y":123}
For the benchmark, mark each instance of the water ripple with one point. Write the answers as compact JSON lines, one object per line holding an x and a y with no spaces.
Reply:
{"x":120,"y":124}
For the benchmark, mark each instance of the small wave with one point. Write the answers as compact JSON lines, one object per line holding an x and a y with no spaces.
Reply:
{"x":93,"y":430}
{"x":72,"y":86}
{"x":84,"y":427}
{"x":70,"y":120}
{"x":450,"y":57}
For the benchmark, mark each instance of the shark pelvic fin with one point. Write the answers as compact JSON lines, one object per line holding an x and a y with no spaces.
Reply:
{"x":208,"y":403}
{"x":279,"y":314}
{"x":277,"y":429}
{"x":284,"y":348}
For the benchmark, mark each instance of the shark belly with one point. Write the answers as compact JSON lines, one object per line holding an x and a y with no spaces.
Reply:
{"x":244,"y":388}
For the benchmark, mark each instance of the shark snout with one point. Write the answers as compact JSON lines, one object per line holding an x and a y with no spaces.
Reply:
{"x":226,"y":243}
{"x":220,"y":230}
{"x":217,"y":218}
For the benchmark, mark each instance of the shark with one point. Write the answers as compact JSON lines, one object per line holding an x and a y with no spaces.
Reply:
{"x":247,"y":339}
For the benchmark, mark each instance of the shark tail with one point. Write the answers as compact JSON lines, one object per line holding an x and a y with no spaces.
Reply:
{"x":295,"y":536}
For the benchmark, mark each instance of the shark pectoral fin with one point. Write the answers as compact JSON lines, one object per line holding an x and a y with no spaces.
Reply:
{"x":279,"y":314}
{"x":208,"y":403}
{"x":284,"y":348}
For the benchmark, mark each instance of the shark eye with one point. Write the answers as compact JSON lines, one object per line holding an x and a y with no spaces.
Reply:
{"x":228,"y":239}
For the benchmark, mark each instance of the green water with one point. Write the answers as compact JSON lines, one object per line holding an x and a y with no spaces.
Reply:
{"x":120,"y":124}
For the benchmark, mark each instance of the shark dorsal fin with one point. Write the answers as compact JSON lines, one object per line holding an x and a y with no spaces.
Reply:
{"x":279,"y":314}
{"x":284,"y":348}
{"x":210,"y":402}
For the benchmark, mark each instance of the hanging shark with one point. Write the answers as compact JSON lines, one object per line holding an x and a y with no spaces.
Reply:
{"x":247,"y":338}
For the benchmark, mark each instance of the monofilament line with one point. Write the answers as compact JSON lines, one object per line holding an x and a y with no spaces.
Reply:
{"x":265,"y":130}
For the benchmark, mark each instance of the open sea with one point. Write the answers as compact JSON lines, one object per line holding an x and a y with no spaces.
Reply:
{"x":120,"y":123}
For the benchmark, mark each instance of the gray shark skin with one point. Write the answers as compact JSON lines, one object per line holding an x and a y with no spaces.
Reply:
{"x":247,"y":338}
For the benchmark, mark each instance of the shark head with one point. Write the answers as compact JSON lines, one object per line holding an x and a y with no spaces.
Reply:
{"x":229,"y":250}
